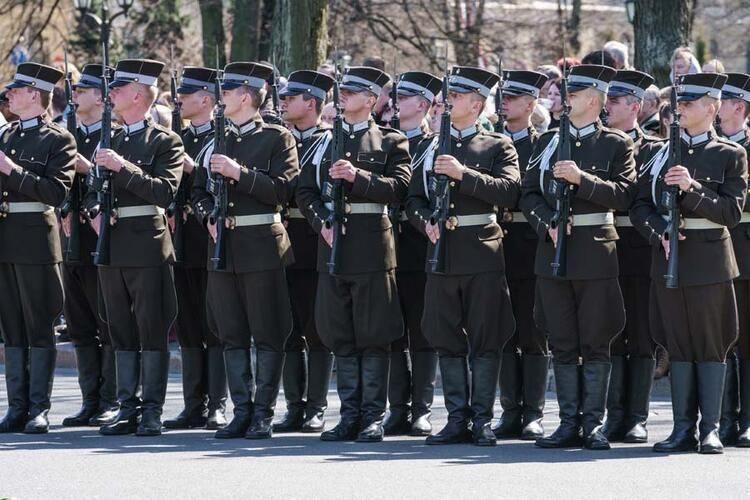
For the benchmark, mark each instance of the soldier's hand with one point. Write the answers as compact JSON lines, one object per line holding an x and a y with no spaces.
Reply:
{"x":450,"y":166}
{"x":83,"y":166}
{"x":188,"y":164}
{"x":327,"y":234}
{"x":225,"y":166}
{"x":432,"y":231}
{"x":343,"y":169}
{"x":567,"y":170}
{"x":170,"y":222}
{"x":212,"y":231}
{"x":95,"y":223}
{"x":109,"y":159}
{"x":679,"y":176}
{"x":65,"y":222}
{"x":6,"y":164}
{"x":553,"y":233}
{"x":665,"y":244}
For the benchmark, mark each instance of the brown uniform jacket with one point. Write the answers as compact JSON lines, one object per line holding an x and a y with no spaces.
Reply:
{"x":741,"y":232}
{"x":268,"y":157}
{"x":381,"y":156}
{"x":196,"y":236}
{"x":706,"y":256}
{"x":45,"y":155}
{"x":150,"y":176}
{"x":411,"y":243}
{"x":605,"y":157}
{"x":490,"y":183}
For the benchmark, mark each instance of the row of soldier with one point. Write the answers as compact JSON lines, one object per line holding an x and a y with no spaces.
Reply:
{"x":388,"y":319}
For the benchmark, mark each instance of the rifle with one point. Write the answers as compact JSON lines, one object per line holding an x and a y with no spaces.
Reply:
{"x":275,"y":93}
{"x":176,"y":209}
{"x":72,"y":203}
{"x":218,"y":183}
{"x":500,"y":124}
{"x":335,"y":190}
{"x":559,"y":188}
{"x":670,"y":197}
{"x":441,"y":186}
{"x":395,"y":121}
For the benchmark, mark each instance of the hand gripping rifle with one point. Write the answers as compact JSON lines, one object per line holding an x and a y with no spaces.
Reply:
{"x":500,"y":124}
{"x":176,"y":209}
{"x":670,"y":197}
{"x":395,"y":121}
{"x":334,"y":190}
{"x":218,"y":183}
{"x":102,"y":178}
{"x":72,"y":203}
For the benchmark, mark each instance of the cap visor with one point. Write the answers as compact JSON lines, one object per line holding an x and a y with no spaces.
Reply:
{"x":689,"y":97}
{"x":187,"y":89}
{"x":287,"y":92}
{"x":119,"y":83}
{"x":17,"y":85}
{"x":460,"y":90}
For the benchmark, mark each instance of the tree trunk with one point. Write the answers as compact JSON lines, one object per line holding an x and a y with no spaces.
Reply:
{"x":574,"y":27}
{"x":212,"y":22}
{"x":245,"y":29}
{"x":267,"y":14}
{"x":661,"y":26}
{"x":300,"y":34}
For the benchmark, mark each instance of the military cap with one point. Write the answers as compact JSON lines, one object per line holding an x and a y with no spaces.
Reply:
{"x":693,"y":87}
{"x":37,"y":76}
{"x":195,"y":78}
{"x":737,"y":86}
{"x":91,"y":77}
{"x":361,"y":78}
{"x":590,"y":76}
{"x":307,"y":82}
{"x":251,"y":74}
{"x":143,"y":71}
{"x":419,"y":83}
{"x":519,"y":82}
{"x":629,"y":82}
{"x":465,"y":79}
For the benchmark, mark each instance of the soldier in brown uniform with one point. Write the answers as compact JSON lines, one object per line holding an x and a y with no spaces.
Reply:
{"x":525,"y":360}
{"x":137,"y":285}
{"x":734,"y":427}
{"x":204,"y":382}
{"x":307,"y":367}
{"x":357,"y":312}
{"x":413,"y":360}
{"x":697,"y":321}
{"x":583,"y":310}
{"x":90,"y":336}
{"x":249,"y":299}
{"x":467,"y":312}
{"x":37,"y":166}
{"x":633,"y":350}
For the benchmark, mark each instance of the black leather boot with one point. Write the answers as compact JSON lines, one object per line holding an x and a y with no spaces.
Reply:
{"x":240,"y":380}
{"x":108,"y":404}
{"x":743,"y":440}
{"x":595,"y":383}
{"x":510,"y":424}
{"x":295,"y":382}
{"x":455,"y":377}
{"x":484,"y":373}
{"x":729,"y":428}
{"x":195,"y":412}
{"x":41,"y":376}
{"x":640,"y":380}
{"x":398,"y":422}
{"x":268,"y":380}
{"x":535,"y":375}
{"x":683,"y":380}
{"x":128,"y":381}
{"x":424,"y":373}
{"x":711,"y":378}
{"x":374,"y":396}
{"x":349,"y":388}
{"x":155,"y":375}
{"x":318,"y":381}
{"x":17,"y":384}
{"x":614,"y":428}
{"x":89,"y":372}
{"x":568,"y":384}
{"x":217,"y":388}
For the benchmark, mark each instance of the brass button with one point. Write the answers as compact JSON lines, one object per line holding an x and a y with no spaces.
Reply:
{"x":231,"y":204}
{"x":32,"y":159}
{"x":139,"y":162}
{"x":347,"y":154}
{"x":127,"y":138}
{"x":458,"y":144}
{"x":578,"y":144}
{"x":453,"y":183}
{"x":87,"y":140}
{"x":707,"y":178}
{"x":453,"y":205}
{"x":12,"y":151}
{"x":22,"y":134}
{"x":351,"y":136}
{"x":195,"y":139}
{"x":239,"y":139}
{"x":690,"y":151}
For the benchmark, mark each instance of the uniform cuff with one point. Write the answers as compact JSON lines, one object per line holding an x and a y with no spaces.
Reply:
{"x":247,"y":180}
{"x":362,"y":181}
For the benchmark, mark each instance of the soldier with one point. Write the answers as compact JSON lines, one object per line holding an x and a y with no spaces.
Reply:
{"x":249,"y":299}
{"x":633,"y":350}
{"x":696,"y":322}
{"x":357,"y":313}
{"x":467,"y":309}
{"x":204,"y":383}
{"x":413,"y":360}
{"x":307,"y":367}
{"x":90,"y":336}
{"x":582,"y":310}
{"x":525,"y":359}
{"x":145,"y":161}
{"x":734,"y":427}
{"x":37,"y":165}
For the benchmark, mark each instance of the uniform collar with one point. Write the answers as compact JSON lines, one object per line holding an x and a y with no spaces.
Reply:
{"x":465,"y":133}
{"x":413,"y":132}
{"x":31,"y":123}
{"x":90,"y":129}
{"x":301,"y":135}
{"x":134,"y":128}
{"x":357,"y":127}
{"x":635,"y":133}
{"x":738,"y":137}
{"x":201,"y":129}
{"x":517,"y":136}
{"x":583,"y":132}
{"x":241,"y":130}
{"x":698,"y":140}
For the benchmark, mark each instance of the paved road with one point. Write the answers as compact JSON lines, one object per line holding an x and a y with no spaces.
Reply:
{"x":79,"y":463}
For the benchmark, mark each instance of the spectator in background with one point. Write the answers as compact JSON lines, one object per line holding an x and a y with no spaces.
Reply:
{"x":436,"y":113}
{"x":58,"y":105}
{"x":619,"y":52}
{"x":683,"y":63}
{"x":5,"y":109}
{"x":665,"y":118}
{"x":327,"y":69}
{"x":329,"y":113}
{"x":713,"y":66}
{"x":601,"y":57}
{"x":569,"y":63}
{"x":540,"y":119}
{"x":552,"y":73}
{"x":649,"y":114}
{"x":374,"y":62}
{"x":554,"y":104}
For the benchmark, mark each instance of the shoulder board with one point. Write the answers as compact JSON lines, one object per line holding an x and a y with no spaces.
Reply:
{"x":273,"y":126}
{"x":615,"y":132}
{"x":724,"y":140}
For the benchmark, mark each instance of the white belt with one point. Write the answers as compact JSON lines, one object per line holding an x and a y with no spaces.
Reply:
{"x":473,"y":220}
{"x":28,"y":207}
{"x":701,"y":224}
{"x":139,"y":211}
{"x":363,"y":208}
{"x":745,"y":218}
{"x":598,"y":219}
{"x":256,"y":220}
{"x":623,"y":221}
{"x":294,"y":213}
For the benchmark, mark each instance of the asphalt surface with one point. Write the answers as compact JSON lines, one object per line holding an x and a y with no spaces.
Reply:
{"x":79,"y":463}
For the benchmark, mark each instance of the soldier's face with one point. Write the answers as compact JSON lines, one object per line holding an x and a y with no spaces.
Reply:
{"x":194,"y":103}
{"x":19,"y":99}
{"x":87,"y":99}
{"x":518,"y":106}
{"x":410,"y":107}
{"x":295,"y":107}
{"x":620,"y":112}
{"x":464,"y":106}
{"x":355,"y":102}
{"x":234,"y":99}
{"x":730,"y":109}
{"x":695,"y":114}
{"x":123,"y":97}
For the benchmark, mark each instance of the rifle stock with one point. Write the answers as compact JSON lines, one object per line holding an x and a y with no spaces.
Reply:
{"x":176,"y":209}
{"x":560,"y":189}
{"x":218,"y":215}
{"x":670,"y":198}
{"x":103,"y":184}
{"x":335,"y":190}
{"x":72,"y":204}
